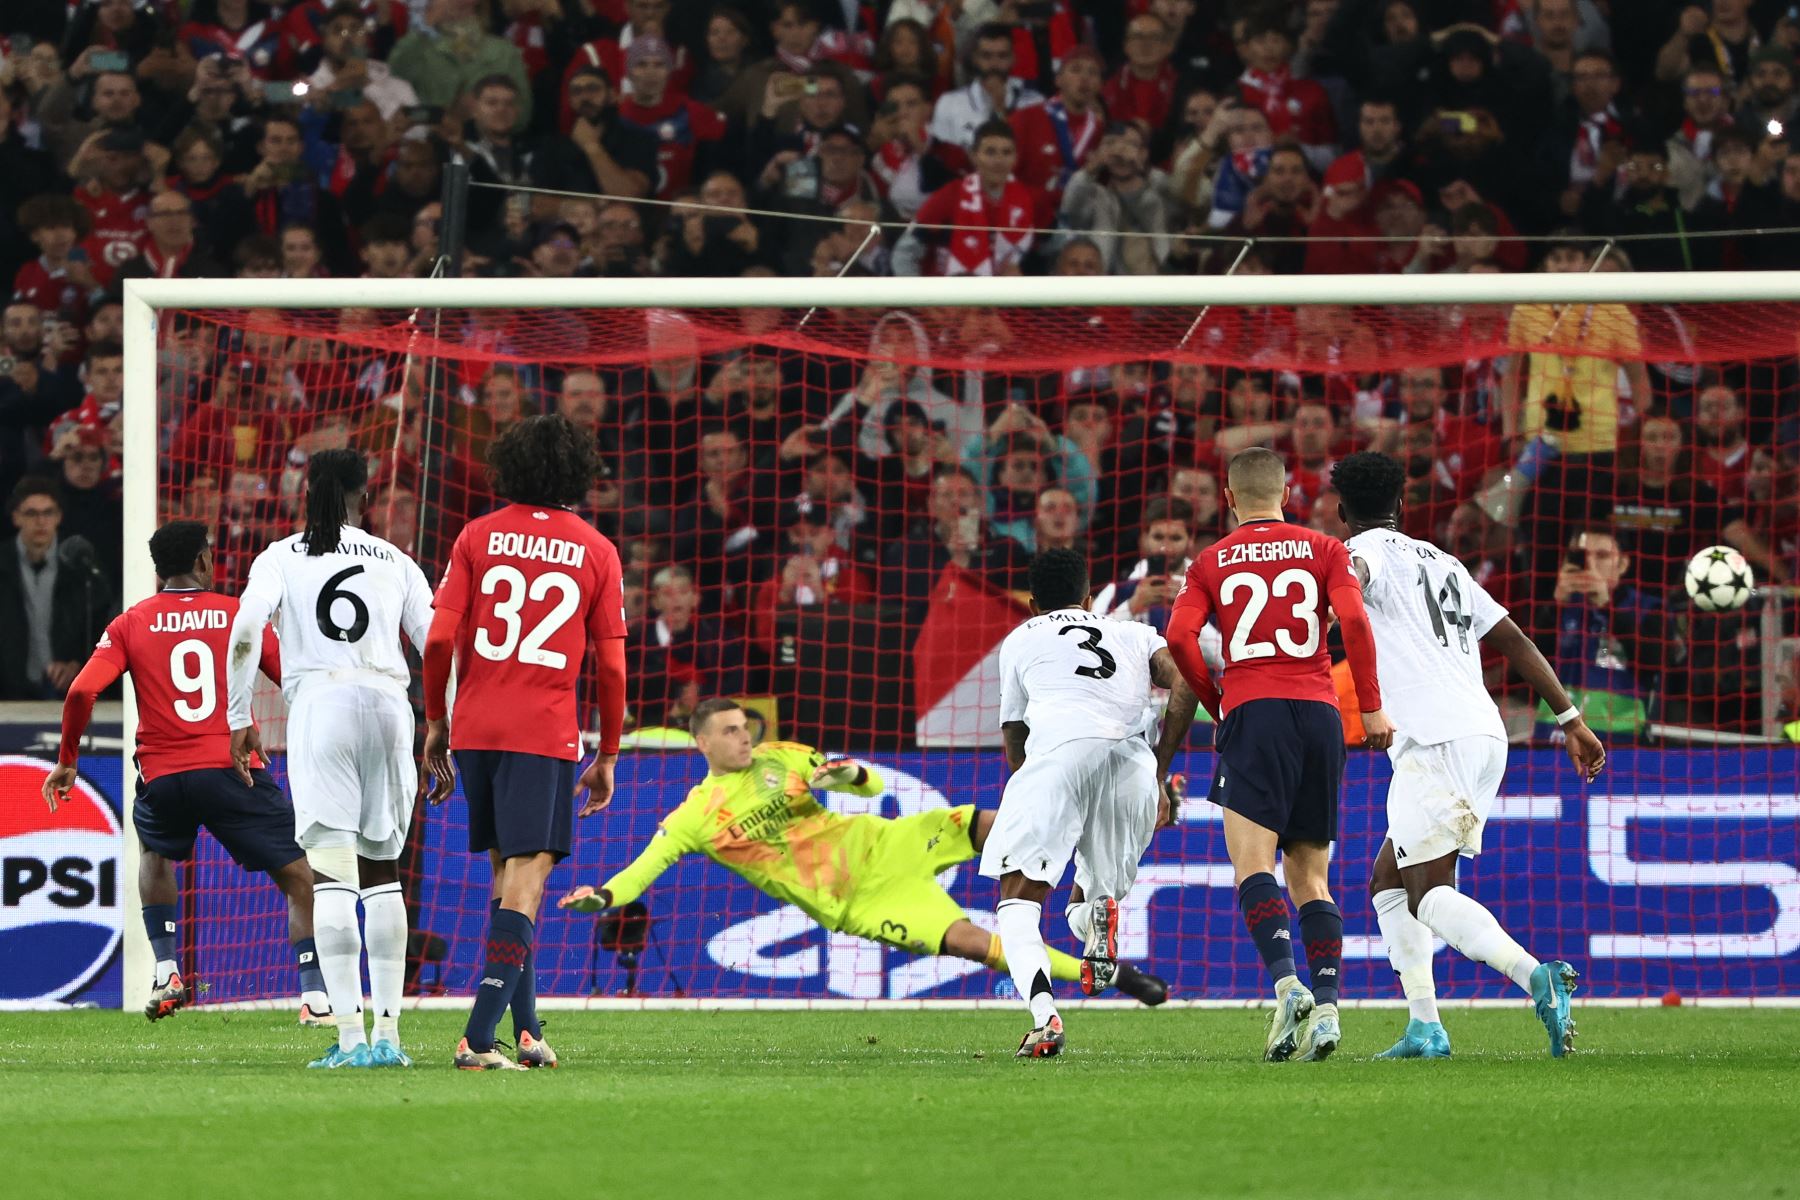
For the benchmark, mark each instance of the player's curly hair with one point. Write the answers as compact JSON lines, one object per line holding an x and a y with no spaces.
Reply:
{"x":333,"y":478}
{"x":544,"y":460}
{"x":1369,"y":484}
{"x":176,"y":547}
{"x":1059,"y":579}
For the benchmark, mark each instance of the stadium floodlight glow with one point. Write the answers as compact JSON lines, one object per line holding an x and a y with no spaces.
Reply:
{"x":1187,"y":298}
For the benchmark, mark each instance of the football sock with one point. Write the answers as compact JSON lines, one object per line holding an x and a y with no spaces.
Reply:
{"x":1021,"y":933}
{"x":1472,"y":929}
{"x":1409,"y":948}
{"x":384,"y":927}
{"x":160,"y":923}
{"x":1065,"y":968}
{"x":339,"y":940}
{"x":508,"y":945}
{"x":524,"y":1000}
{"x":1322,"y":932}
{"x":312,"y":980}
{"x":1081,"y":920}
{"x":1265,"y":912}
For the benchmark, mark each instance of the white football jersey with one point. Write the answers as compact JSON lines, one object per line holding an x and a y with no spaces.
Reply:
{"x":1429,"y":616}
{"x":341,"y":611}
{"x":1072,"y":674}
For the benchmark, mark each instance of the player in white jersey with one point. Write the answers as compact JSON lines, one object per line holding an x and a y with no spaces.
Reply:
{"x":339,"y":599}
{"x":1430,"y":619}
{"x":1077,"y":712}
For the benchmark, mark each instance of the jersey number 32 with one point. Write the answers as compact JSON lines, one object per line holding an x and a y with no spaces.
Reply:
{"x":528,"y":647}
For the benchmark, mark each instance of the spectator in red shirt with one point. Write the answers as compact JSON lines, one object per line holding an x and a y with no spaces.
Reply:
{"x":114,"y":172}
{"x":1296,"y":108}
{"x":1281,"y":206}
{"x":644,"y":18}
{"x":1056,"y":137}
{"x":1144,"y":88}
{"x":1345,"y":221}
{"x":687,"y":133}
{"x":1312,"y":436}
{"x":1721,"y":451}
{"x":990,"y":213}
{"x":170,"y":252}
{"x":60,"y":279}
{"x":242,"y":29}
{"x":817,"y":573}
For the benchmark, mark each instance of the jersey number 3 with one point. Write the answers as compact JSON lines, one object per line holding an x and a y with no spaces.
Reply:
{"x":1305,"y":607}
{"x":1107,"y":666}
{"x":506,"y":610}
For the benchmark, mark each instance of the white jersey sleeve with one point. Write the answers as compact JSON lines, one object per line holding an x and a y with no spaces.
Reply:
{"x":256,"y":608}
{"x":1070,"y":674}
{"x":1429,"y":616}
{"x":415,"y":616}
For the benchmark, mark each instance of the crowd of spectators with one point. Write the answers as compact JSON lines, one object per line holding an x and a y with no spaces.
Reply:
{"x":198,"y":138}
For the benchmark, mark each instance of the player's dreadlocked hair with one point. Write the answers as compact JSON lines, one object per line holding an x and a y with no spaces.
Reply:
{"x":1369,"y":484}
{"x":176,"y":547}
{"x":332,"y":477}
{"x":544,"y":460}
{"x":1059,"y":579}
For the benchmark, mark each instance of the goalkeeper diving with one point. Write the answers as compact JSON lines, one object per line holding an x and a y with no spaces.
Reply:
{"x":875,"y":878}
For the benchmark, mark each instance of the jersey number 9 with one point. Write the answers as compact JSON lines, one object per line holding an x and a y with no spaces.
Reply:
{"x":530,"y":649}
{"x":191,"y":671}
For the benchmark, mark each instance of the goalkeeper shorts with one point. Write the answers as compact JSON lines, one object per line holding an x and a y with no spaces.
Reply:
{"x":897,"y":898}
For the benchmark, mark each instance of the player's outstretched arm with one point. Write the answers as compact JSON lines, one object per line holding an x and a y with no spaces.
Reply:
{"x":673,"y":839}
{"x":843,"y":775}
{"x":1522,"y":654}
{"x":78,"y":708}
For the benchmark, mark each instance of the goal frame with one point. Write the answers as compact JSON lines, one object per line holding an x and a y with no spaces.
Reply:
{"x":145,"y":298}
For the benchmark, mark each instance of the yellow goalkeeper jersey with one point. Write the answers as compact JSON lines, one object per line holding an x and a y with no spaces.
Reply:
{"x":766,"y":826}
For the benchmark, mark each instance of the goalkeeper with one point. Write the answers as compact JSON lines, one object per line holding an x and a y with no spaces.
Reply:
{"x":755,"y":814}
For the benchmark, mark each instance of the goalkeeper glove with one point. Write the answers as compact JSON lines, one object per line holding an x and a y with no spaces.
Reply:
{"x":839,"y":773}
{"x":587,"y":900}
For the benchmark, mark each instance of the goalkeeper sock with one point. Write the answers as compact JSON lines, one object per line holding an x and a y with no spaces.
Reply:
{"x":384,"y":928}
{"x":312,"y":980}
{"x":508,"y":945}
{"x":160,"y":923}
{"x":339,"y":939}
{"x":1322,"y":931}
{"x":1021,"y":933}
{"x":1409,"y":951}
{"x":1472,"y":929}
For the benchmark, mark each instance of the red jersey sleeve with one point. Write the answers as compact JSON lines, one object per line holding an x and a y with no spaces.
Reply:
{"x":453,"y":589}
{"x":940,"y":207}
{"x":1345,"y":594}
{"x":607,"y":617}
{"x":271,"y":655}
{"x":112,"y":645}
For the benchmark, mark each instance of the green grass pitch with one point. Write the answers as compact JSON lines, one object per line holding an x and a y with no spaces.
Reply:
{"x":797,"y":1105}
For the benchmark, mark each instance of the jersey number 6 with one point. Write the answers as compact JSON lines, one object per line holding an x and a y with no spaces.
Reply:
{"x":330,"y":595}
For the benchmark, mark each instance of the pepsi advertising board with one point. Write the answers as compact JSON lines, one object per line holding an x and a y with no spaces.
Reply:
{"x":1676,"y":872}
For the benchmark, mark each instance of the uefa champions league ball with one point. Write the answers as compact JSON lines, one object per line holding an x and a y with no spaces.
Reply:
{"x":1719,"y":580}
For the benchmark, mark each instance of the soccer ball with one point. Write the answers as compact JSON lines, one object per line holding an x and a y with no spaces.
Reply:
{"x":1719,"y":580}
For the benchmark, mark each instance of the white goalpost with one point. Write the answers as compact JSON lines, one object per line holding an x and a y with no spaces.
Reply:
{"x":145,"y":301}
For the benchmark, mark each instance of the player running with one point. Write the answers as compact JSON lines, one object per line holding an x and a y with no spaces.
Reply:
{"x":1430,"y":618}
{"x":1077,"y":711}
{"x":869,"y":876}
{"x":340,"y":598}
{"x":1280,"y":742}
{"x":173,"y":646}
{"x":527,"y":589}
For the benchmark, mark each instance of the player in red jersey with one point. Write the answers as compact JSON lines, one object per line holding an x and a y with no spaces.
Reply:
{"x":527,"y":588}
{"x":173,"y":644}
{"x":1280,"y":739}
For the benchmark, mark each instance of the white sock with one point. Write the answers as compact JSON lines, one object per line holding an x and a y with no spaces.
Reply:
{"x":384,"y":929}
{"x":1022,"y":940}
{"x":319,"y":1002}
{"x":165,"y":967}
{"x":1472,"y":929}
{"x":339,"y":940}
{"x":1081,"y":920}
{"x":1409,"y":947}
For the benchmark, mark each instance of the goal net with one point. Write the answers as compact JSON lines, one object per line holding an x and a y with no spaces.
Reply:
{"x":825,"y":493}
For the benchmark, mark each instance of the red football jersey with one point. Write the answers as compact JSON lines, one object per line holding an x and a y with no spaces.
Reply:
{"x":173,"y":644}
{"x":1268,"y":585}
{"x":535,"y":585}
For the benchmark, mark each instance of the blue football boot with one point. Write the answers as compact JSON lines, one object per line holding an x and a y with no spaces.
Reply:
{"x":1551,"y":986}
{"x":1422,"y":1039}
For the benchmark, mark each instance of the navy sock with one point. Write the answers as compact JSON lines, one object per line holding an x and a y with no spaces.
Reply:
{"x":524,"y":1001}
{"x":1265,"y":912}
{"x":306,"y":956}
{"x":160,"y":923}
{"x":1322,"y":931}
{"x":508,"y":945}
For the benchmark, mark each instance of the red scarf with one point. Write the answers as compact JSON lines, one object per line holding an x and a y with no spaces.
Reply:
{"x":1594,"y":131}
{"x":892,"y":160}
{"x":1700,"y":140}
{"x":165,"y":266}
{"x":975,"y":250}
{"x":1269,"y":89}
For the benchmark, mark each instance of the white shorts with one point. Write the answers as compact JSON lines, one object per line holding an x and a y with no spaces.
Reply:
{"x":1093,"y":799}
{"x":1439,"y":800}
{"x":350,"y":766}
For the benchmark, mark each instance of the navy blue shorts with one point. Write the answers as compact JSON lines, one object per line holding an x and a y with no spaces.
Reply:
{"x":1280,"y":763}
{"x":519,"y":803}
{"x":254,"y":824}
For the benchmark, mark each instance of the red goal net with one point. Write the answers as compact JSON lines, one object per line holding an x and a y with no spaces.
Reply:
{"x":828,"y":515}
